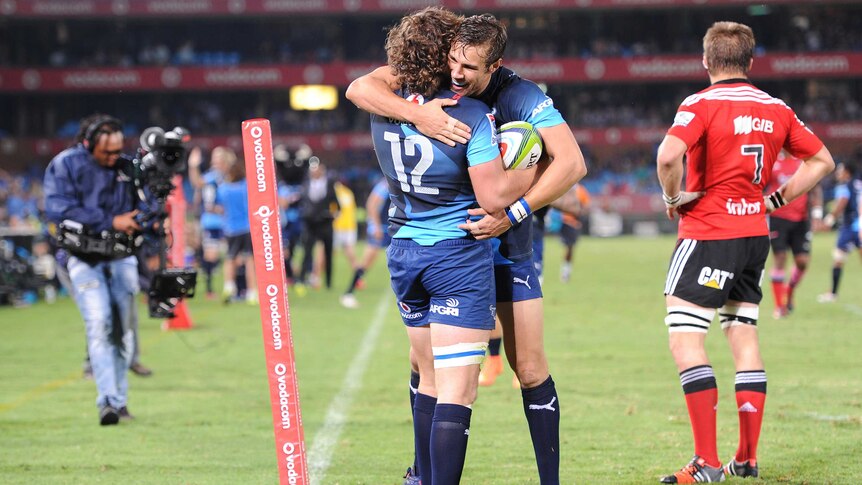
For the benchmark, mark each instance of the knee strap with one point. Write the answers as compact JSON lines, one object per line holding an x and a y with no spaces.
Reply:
{"x":688,"y":319}
{"x":734,"y":315}
{"x":459,"y":355}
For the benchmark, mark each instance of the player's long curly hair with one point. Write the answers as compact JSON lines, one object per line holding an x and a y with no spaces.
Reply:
{"x":417,"y":49}
{"x":728,"y":47}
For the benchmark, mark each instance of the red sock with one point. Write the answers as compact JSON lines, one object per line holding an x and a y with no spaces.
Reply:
{"x":701,"y":398}
{"x":750,"y":405}
{"x":778,"y":292}
{"x":750,"y":401}
{"x":701,"y":412}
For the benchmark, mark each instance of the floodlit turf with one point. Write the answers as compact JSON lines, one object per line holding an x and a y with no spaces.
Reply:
{"x":204,"y":417}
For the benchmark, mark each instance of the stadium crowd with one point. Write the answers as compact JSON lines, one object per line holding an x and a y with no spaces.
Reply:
{"x":539,"y":35}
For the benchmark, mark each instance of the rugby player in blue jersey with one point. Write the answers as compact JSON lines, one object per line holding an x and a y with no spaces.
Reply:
{"x":439,"y":273}
{"x":475,"y":70}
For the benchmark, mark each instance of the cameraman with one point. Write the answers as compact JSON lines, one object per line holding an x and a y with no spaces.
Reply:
{"x":90,"y":184}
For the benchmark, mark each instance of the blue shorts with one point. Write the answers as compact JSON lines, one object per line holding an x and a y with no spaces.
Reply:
{"x":518,"y":281}
{"x":847,"y":236}
{"x":213,"y":235}
{"x":451,"y":282}
{"x":291,"y":234}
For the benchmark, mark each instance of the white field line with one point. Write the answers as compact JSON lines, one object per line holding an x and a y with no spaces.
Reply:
{"x":320,"y":452}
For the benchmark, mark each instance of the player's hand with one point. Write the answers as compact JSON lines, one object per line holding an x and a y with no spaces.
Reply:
{"x":195,"y":157}
{"x":490,"y":225}
{"x":126,"y":223}
{"x":672,"y":204}
{"x":431,"y":120}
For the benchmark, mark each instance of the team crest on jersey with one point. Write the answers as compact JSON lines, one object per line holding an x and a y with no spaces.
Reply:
{"x":683,"y":118}
{"x":495,"y":137}
{"x":416,"y":99}
{"x":713,"y":278}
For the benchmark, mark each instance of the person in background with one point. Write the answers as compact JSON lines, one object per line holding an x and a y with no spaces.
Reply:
{"x":232,"y":201}
{"x":377,"y":238}
{"x":318,"y":208}
{"x":211,"y":222}
{"x":88,"y":188}
{"x":846,"y":206}
{"x":790,"y":227}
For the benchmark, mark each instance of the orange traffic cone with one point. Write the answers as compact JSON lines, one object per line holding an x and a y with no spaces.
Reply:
{"x":181,"y":319}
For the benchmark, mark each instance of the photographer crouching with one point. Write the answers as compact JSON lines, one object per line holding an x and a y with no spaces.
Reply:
{"x":90,"y":201}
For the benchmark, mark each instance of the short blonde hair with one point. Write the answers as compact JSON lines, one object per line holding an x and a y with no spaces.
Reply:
{"x":728,"y":47}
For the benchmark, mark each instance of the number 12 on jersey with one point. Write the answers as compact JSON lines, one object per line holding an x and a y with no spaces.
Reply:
{"x":426,"y":156}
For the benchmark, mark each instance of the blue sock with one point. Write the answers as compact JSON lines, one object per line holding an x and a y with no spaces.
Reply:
{"x":414,"y":390}
{"x":423,"y":415}
{"x":543,"y":416}
{"x":449,"y":443}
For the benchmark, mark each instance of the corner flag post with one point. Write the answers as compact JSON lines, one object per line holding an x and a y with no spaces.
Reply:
{"x":263,"y":212}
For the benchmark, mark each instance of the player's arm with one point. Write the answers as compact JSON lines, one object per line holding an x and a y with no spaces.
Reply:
{"x":373,"y":205}
{"x":375,"y":93}
{"x":806,"y":177}
{"x":670,"y":170}
{"x":194,"y":163}
{"x":496,"y":189}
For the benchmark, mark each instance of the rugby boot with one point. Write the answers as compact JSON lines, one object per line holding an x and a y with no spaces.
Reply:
{"x":697,"y":471}
{"x":743,"y":469}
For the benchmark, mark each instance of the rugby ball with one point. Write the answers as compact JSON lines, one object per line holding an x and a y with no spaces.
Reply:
{"x":520,"y":145}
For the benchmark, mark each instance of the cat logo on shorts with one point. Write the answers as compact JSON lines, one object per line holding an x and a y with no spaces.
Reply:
{"x":713,"y":278}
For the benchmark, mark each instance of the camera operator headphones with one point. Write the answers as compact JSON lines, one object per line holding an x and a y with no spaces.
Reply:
{"x":91,"y":134}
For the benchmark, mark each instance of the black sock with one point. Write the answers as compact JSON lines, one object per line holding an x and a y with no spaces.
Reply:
{"x":288,"y":269}
{"x":414,"y":390}
{"x":209,"y":266}
{"x":423,"y":416}
{"x":543,"y":417}
{"x":357,"y":275}
{"x":494,"y":346}
{"x":836,"y":278}
{"x":449,"y":443}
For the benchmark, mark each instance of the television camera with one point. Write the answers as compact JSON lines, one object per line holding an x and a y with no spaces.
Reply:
{"x":160,"y":157}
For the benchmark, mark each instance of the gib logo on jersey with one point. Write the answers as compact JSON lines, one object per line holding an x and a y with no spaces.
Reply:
{"x":407,"y":312}
{"x":743,"y":125}
{"x":743,"y":207}
{"x":714,"y":278}
{"x":450,"y":309}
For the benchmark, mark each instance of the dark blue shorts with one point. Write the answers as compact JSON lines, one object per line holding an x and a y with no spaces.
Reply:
{"x":518,"y":281}
{"x":451,"y":282}
{"x":847,"y":237}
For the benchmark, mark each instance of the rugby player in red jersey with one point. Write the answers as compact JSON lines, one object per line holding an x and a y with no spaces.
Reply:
{"x":790,"y":228}
{"x":731,"y":134}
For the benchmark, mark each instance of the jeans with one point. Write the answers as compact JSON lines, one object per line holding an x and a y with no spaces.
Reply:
{"x":105,"y":295}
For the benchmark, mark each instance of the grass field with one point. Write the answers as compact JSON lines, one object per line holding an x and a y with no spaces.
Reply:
{"x":204,"y":417}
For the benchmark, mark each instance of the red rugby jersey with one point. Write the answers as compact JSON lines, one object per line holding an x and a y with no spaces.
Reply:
{"x":784,"y":168}
{"x":734,"y":133}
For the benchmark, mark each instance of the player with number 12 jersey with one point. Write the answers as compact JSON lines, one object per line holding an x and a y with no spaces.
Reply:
{"x":734,"y":132}
{"x":429,"y":185}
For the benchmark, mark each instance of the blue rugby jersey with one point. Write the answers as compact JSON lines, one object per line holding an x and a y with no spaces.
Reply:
{"x":515,"y":99}
{"x":852,"y":191}
{"x":429,"y":184}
